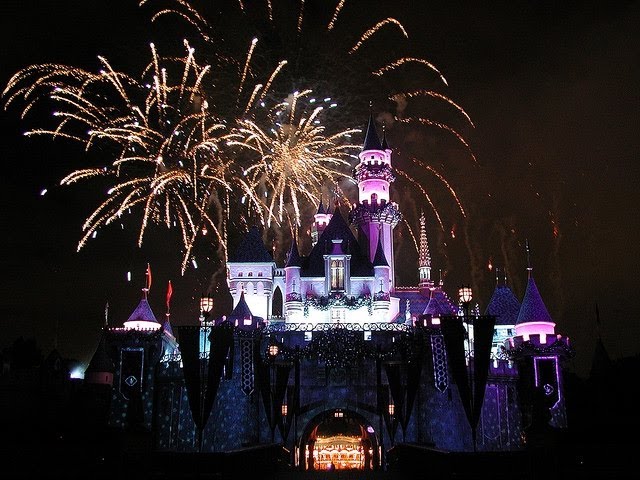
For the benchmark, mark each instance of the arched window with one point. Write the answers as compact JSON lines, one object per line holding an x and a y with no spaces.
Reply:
{"x":249,"y":290}
{"x":337,"y":274}
{"x":250,"y":274}
{"x":374,"y":197}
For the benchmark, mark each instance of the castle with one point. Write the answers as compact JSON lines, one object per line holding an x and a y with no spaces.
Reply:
{"x":327,"y":356}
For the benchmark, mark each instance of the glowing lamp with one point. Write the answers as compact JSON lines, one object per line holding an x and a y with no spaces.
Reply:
{"x":206,"y":304}
{"x":392,"y":409}
{"x":465,"y":294}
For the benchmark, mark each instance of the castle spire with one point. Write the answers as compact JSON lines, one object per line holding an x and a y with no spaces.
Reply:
{"x":371,"y":139}
{"x":529,"y":267}
{"x":424,"y":257}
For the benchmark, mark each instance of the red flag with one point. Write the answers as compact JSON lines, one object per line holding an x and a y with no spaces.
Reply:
{"x":169,"y":293}
{"x":148,"y":277}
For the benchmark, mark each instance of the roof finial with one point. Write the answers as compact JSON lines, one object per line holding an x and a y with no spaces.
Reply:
{"x":497,"y":277}
{"x":147,"y":287}
{"x":529,"y":267}
{"x":106,"y":315}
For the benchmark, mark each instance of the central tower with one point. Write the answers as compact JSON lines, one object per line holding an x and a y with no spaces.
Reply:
{"x":376,"y":215}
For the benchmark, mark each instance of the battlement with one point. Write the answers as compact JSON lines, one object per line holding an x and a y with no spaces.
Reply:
{"x":536,"y":344}
{"x":537,"y":340}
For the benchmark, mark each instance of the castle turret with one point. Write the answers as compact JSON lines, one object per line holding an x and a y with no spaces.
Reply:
{"x":101,"y":369}
{"x":375,"y":215}
{"x":293,"y":285}
{"x":250,"y":270}
{"x":321,"y":220}
{"x":382,"y":273}
{"x":505,"y":307}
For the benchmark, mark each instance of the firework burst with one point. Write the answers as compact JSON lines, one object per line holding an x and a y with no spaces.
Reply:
{"x":192,"y":140}
{"x":169,"y":148}
{"x":294,"y":159}
{"x":355,"y":66}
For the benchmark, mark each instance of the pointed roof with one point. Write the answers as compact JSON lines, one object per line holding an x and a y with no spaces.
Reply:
{"x":504,"y":306}
{"x":379,"y":260}
{"x":600,"y":362}
{"x":251,"y":249}
{"x":241,"y":310}
{"x":143,"y":313}
{"x":371,"y":139}
{"x":385,"y":145}
{"x":166,"y":326}
{"x":101,"y":362}
{"x":439,"y":304}
{"x":321,"y":209}
{"x":533,"y":308}
{"x":293,"y":258}
{"x":337,"y":228}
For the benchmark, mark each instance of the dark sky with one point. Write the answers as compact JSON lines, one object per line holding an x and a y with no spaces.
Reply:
{"x":552,"y":87}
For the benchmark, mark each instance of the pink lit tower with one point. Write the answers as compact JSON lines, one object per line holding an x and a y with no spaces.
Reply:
{"x":375,"y":215}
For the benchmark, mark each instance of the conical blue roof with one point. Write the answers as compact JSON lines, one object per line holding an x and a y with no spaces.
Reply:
{"x":321,"y":209}
{"x":241,"y":310}
{"x":379,"y":260}
{"x":504,"y":306}
{"x":385,"y":145}
{"x":251,"y":249}
{"x":371,"y":139}
{"x":101,"y":362}
{"x":293,"y":258}
{"x":439,"y":304}
{"x":143,"y":313}
{"x":533,"y":308}
{"x":166,"y":326}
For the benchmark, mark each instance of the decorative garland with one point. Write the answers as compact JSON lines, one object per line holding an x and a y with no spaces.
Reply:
{"x":338,"y":300}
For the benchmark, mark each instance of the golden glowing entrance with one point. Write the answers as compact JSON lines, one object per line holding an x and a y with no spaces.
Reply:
{"x":339,"y":440}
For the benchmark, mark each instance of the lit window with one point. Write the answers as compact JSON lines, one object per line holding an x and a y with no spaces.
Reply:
{"x":337,"y":274}
{"x":308,"y":336}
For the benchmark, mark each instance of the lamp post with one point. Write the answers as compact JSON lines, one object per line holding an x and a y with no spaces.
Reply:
{"x":206,"y":305}
{"x":273,"y":353}
{"x":466,"y":294}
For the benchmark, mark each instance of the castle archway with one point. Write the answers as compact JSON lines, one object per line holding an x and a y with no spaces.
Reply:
{"x":339,"y":439}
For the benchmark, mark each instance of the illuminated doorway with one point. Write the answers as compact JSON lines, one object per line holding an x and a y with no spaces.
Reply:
{"x":339,"y":439}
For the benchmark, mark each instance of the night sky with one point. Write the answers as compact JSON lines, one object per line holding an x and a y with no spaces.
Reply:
{"x":553,"y":91}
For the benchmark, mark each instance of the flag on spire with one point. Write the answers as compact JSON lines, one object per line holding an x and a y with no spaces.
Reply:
{"x":169,"y":293}
{"x":148,"y":277}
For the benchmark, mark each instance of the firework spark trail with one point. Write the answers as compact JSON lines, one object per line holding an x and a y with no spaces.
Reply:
{"x":246,"y":66}
{"x":399,"y":96}
{"x":442,"y":126}
{"x":424,"y":193}
{"x":413,"y":237}
{"x":367,"y":35}
{"x":336,"y":12}
{"x":398,"y":63}
{"x":440,"y":177}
